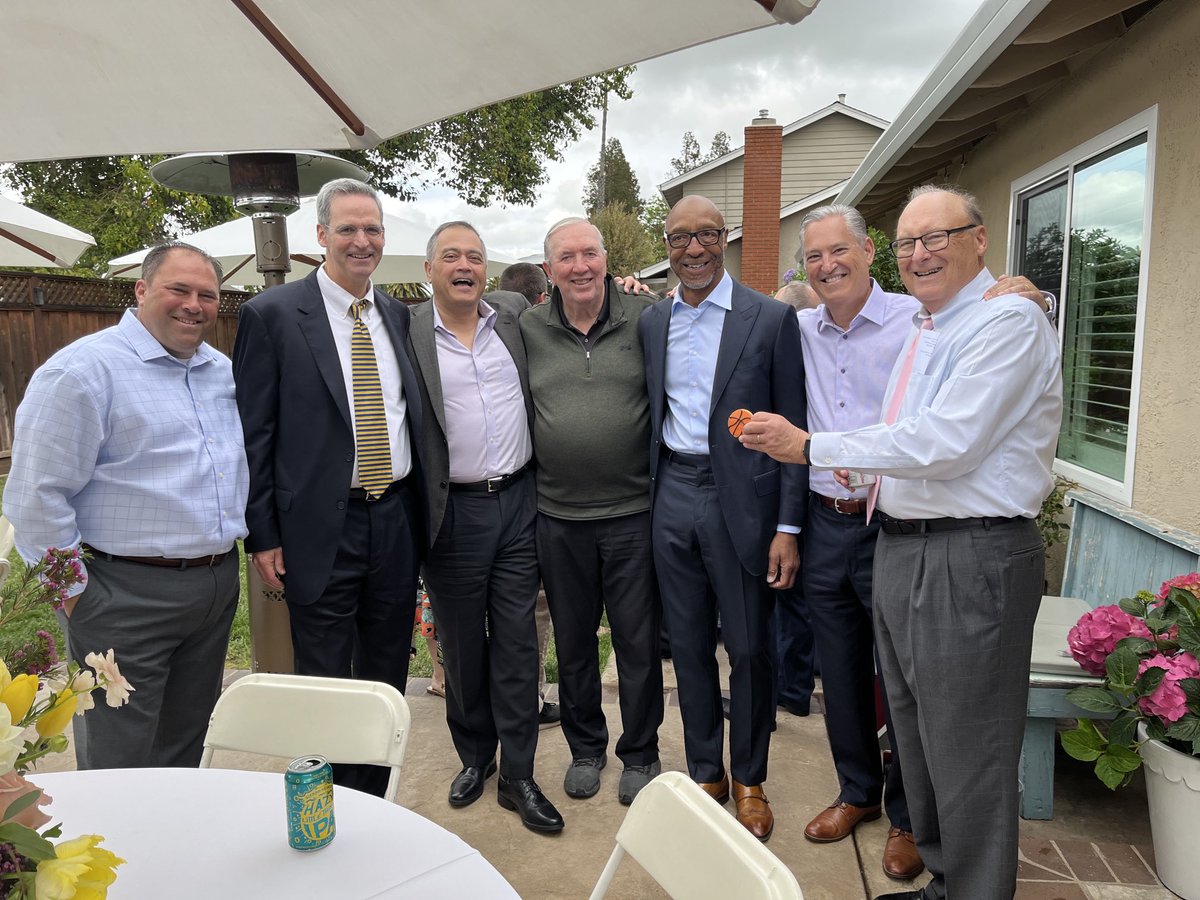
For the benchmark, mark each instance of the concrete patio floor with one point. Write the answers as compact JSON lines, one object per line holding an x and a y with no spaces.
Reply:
{"x":1096,"y":848}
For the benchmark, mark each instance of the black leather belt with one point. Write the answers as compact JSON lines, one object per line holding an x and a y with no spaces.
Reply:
{"x":843,"y":505}
{"x":491,"y":485}
{"x":162,"y":562}
{"x":922,"y":526}
{"x":357,"y":493}
{"x":695,"y":460}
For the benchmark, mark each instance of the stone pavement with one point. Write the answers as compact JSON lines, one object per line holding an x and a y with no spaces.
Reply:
{"x":1097,"y":847}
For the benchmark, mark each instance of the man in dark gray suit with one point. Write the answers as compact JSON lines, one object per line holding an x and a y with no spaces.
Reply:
{"x":724,"y":524}
{"x":345,"y":545}
{"x":481,"y":567}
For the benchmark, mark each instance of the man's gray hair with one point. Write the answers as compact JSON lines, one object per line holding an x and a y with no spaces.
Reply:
{"x":158,"y":255}
{"x":851,"y":216}
{"x":457,"y":224}
{"x":563,"y":223}
{"x":970,"y":204}
{"x":338,"y":186}
{"x":798,"y":295}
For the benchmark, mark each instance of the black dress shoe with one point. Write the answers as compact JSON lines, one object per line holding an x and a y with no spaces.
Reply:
{"x":902,"y":895}
{"x":467,"y":786}
{"x":725,"y":711}
{"x":550,"y":715}
{"x":523,"y":795}
{"x":795,"y":709}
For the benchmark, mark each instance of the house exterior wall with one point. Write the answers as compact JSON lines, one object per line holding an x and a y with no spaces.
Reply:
{"x":723,"y":186}
{"x":1153,"y":64}
{"x":822,"y":154}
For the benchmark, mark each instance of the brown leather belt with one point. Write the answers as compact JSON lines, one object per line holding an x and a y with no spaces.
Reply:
{"x":491,"y":485}
{"x":844,"y":506}
{"x":162,"y":562}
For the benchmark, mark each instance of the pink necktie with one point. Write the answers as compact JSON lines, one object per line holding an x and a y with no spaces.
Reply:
{"x":893,"y":409}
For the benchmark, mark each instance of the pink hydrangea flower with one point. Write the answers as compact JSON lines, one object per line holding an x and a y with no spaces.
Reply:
{"x":1168,"y":701}
{"x":1189,"y":583}
{"x":1096,"y":634}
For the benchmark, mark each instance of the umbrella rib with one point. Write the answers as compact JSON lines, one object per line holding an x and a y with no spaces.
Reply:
{"x":32,"y":248}
{"x":307,"y":260}
{"x":237,"y":268}
{"x":302,"y":66}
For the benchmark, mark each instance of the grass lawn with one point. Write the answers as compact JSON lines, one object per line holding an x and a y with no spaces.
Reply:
{"x":24,"y":627}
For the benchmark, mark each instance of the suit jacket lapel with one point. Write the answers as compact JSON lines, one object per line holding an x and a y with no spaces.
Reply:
{"x":314,"y":325}
{"x":658,"y":323}
{"x":397,"y":328}
{"x":510,"y":333}
{"x":734,"y":334}
{"x":424,"y":346}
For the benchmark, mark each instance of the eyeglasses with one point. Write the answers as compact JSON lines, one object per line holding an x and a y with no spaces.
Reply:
{"x":349,"y":231}
{"x":934,"y":240}
{"x":678,"y":240}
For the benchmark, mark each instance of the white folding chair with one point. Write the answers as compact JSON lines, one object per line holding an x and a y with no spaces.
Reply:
{"x":693,"y":848}
{"x":8,"y":538}
{"x":345,"y":721}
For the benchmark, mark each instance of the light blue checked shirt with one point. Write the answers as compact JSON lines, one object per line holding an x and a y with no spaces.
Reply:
{"x":122,"y":446}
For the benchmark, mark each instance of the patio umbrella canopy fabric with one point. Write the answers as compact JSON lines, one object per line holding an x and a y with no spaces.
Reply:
{"x":29,"y":238}
{"x":90,"y":78}
{"x":232,"y":244}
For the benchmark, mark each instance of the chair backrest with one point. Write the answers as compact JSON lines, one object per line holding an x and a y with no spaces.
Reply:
{"x":693,"y":847}
{"x":8,"y":538}
{"x":345,"y":721}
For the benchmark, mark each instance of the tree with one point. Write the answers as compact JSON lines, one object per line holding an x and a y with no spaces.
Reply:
{"x":620,"y":184}
{"x":498,"y":153}
{"x":690,"y":156}
{"x":884,"y":269}
{"x":654,"y":219}
{"x":629,"y":247}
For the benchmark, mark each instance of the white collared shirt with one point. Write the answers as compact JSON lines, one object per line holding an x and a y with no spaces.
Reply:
{"x":341,"y":321}
{"x":978,"y":423}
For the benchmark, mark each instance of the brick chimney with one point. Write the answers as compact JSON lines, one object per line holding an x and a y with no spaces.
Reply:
{"x":761,"y":200}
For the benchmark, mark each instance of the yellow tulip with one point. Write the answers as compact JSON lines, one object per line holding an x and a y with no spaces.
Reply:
{"x":18,"y":695}
{"x":5,"y":677}
{"x":54,"y":720}
{"x":80,"y":870}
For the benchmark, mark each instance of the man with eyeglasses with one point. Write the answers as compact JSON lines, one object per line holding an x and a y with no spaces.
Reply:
{"x":324,"y":389}
{"x":724,"y":521}
{"x":963,"y":457}
{"x":850,"y":345}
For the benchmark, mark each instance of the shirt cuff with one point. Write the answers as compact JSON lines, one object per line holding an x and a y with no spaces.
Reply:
{"x":822,"y":449}
{"x":788,"y":529}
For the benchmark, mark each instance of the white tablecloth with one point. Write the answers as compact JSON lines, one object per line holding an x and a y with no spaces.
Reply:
{"x":217,"y":833}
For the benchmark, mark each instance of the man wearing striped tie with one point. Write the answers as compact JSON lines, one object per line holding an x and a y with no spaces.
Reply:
{"x":324,"y":388}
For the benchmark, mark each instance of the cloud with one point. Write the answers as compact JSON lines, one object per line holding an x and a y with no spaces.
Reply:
{"x":876,"y":52}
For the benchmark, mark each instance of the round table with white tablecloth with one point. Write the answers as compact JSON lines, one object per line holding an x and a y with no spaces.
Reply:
{"x":220,"y":833}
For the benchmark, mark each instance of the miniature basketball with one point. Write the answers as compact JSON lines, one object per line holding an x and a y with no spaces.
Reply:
{"x":737,"y":421}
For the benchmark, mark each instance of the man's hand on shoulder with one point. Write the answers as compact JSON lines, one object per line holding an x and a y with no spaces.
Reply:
{"x":1019,"y":285}
{"x":630,"y":285}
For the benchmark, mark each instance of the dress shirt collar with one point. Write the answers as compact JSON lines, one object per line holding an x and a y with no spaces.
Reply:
{"x":337,"y":299}
{"x":972,"y":292}
{"x":874,"y":311}
{"x":486,"y":313}
{"x":147,"y":347}
{"x":722,"y":295}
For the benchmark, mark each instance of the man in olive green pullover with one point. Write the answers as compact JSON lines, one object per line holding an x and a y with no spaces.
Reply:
{"x":590,"y":432}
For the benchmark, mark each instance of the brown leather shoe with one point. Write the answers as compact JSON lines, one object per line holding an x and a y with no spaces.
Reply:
{"x":838,"y":821}
{"x":718,"y":790}
{"x":753,"y":809}
{"x":900,"y":857}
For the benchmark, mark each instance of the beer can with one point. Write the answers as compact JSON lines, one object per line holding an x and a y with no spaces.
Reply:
{"x":308,"y":785}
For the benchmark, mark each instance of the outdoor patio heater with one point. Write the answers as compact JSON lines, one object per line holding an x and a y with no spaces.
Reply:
{"x":266,"y":186}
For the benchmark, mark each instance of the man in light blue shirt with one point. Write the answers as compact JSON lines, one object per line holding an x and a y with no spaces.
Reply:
{"x":971,"y":416}
{"x":128,"y":444}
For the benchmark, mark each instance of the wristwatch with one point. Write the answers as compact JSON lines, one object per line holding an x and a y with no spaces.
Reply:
{"x":807,"y":444}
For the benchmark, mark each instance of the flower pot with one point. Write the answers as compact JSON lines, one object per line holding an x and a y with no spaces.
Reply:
{"x":1173,"y":795}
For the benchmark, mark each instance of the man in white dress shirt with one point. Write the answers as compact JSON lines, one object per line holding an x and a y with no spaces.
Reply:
{"x":972,"y":412}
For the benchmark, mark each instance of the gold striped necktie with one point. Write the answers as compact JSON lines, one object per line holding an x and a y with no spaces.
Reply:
{"x":370,"y":422}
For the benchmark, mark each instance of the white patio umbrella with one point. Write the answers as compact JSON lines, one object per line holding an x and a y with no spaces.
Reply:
{"x":106,"y":77}
{"x":29,"y":238}
{"x":232,"y":244}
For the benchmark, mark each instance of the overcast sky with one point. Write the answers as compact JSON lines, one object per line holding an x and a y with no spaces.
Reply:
{"x":876,"y":52}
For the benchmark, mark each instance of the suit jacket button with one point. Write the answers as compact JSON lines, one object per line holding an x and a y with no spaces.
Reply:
{"x":349,"y":457}
{"x":341,"y":504}
{"x":442,"y":484}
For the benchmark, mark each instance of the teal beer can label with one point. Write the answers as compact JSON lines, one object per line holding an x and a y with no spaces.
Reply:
{"x":309,"y":788}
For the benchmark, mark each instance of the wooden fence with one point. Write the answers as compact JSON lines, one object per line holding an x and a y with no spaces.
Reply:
{"x":40,"y":314}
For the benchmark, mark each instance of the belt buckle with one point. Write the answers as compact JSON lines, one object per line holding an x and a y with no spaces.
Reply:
{"x":495,"y":484}
{"x":837,"y":505}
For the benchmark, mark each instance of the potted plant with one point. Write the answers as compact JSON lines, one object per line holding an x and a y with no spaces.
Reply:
{"x":1146,"y":650}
